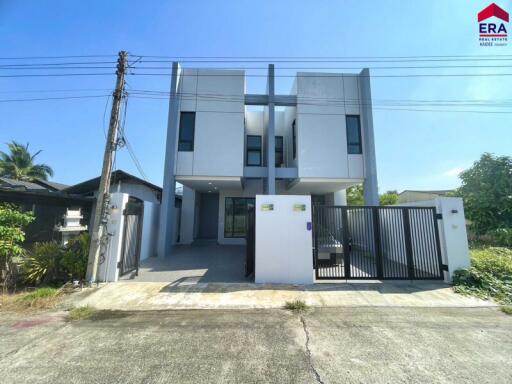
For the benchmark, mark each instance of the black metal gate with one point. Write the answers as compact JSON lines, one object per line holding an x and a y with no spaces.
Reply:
{"x":376,"y":243}
{"x":132,"y":235}
{"x":250,"y":239}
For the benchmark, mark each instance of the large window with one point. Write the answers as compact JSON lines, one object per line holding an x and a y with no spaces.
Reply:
{"x":294,"y":140}
{"x":354,"y":145}
{"x":279,"y":151}
{"x":253,"y":151}
{"x":187,"y":127}
{"x":236,"y":216}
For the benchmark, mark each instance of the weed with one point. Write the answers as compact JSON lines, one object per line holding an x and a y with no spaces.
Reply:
{"x":81,"y":313}
{"x":507,"y":309}
{"x":296,"y":306}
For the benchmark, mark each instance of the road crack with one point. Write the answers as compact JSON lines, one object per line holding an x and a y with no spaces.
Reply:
{"x":308,"y":351}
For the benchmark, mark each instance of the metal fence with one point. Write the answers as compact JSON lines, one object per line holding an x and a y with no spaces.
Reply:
{"x":376,"y":243}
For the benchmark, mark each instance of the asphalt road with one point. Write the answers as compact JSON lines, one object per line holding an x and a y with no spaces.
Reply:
{"x":331,"y":345}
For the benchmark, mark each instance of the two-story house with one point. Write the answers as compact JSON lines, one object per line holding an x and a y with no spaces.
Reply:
{"x":226,"y":146}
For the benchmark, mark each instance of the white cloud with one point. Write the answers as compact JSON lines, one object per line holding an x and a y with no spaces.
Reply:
{"x":453,"y":172}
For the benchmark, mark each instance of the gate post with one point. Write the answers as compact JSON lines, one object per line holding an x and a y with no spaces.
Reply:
{"x":376,"y":234}
{"x":346,"y":242}
{"x":408,"y":243}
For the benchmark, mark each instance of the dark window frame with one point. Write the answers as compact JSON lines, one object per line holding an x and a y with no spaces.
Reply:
{"x":183,"y":144}
{"x":279,"y":149}
{"x":231,"y":216}
{"x":359,"y":143}
{"x":294,"y":140}
{"x":253,"y":149}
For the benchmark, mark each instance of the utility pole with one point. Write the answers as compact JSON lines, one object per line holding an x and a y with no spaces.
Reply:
{"x":99,"y":230}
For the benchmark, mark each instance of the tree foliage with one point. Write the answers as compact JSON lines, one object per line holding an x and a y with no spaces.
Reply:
{"x":355,"y":196}
{"x":19,"y":164}
{"x":389,"y":198}
{"x":12,"y":236}
{"x":487,"y":193}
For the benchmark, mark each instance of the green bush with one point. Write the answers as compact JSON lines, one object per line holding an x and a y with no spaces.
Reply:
{"x":12,"y":236}
{"x":43,"y":262}
{"x":490,"y":275}
{"x":501,"y":237}
{"x":75,"y":256}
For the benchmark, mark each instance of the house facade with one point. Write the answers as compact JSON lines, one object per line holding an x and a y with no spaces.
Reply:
{"x":226,"y":146}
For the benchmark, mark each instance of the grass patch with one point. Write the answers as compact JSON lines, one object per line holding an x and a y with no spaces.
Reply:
{"x":296,"y":306}
{"x":489,"y":277}
{"x":81,"y":313}
{"x":507,"y":309}
{"x":41,"y":298}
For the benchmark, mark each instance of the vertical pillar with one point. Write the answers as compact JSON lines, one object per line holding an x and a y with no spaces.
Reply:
{"x":188,"y":206}
{"x":271,"y":134}
{"x":340,"y":197}
{"x":167,"y":210}
{"x":371,"y":190}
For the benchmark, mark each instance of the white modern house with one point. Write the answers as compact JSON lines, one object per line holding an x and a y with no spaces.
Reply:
{"x":226,"y":146}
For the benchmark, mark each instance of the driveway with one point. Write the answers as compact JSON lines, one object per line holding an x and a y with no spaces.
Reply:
{"x":198,"y":263}
{"x":326,"y":345}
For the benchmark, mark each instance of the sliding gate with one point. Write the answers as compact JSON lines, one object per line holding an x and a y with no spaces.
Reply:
{"x":376,"y":243}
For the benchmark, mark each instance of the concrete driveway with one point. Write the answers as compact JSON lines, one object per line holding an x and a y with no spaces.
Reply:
{"x":198,"y":263}
{"x":326,"y":345}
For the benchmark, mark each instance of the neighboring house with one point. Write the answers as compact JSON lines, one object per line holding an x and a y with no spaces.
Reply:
{"x":48,"y":203}
{"x":226,"y":146}
{"x":410,"y":196}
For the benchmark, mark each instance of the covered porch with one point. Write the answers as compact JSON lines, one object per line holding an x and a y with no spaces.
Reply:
{"x":197,"y":263}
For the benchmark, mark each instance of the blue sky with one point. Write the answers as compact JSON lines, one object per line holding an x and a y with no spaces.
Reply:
{"x":415,"y":150}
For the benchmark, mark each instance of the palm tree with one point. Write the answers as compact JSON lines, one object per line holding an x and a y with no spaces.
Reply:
{"x":19,"y":164}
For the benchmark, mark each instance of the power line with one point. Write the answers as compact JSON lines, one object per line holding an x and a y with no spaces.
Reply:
{"x":328,"y":75}
{"x":52,"y":98}
{"x":53,"y":57}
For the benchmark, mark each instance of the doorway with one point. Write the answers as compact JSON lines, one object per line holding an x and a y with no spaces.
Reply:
{"x":208,"y":216}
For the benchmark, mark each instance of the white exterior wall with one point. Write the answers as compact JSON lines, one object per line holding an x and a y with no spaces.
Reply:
{"x":188,"y":203}
{"x":219,"y":127}
{"x":323,"y":101}
{"x":108,"y":270}
{"x":283,"y":241}
{"x":149,"y":230}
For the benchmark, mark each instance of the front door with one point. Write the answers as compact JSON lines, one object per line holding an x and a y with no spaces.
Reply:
{"x":208,"y":216}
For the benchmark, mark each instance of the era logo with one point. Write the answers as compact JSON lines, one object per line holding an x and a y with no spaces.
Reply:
{"x":495,"y":29}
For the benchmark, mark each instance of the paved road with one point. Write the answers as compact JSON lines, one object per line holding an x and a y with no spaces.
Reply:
{"x":330,"y":345}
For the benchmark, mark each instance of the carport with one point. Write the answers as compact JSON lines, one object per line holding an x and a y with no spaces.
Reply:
{"x":197,"y":263}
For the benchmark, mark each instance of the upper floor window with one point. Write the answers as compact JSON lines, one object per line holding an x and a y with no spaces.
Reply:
{"x":354,"y":144}
{"x":187,"y":128}
{"x":279,"y":151}
{"x":294,"y":140}
{"x":253,"y":151}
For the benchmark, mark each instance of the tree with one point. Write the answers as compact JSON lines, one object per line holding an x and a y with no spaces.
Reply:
{"x":19,"y":164}
{"x":12,"y":222}
{"x":389,"y":198}
{"x":355,"y":195}
{"x":487,"y":193}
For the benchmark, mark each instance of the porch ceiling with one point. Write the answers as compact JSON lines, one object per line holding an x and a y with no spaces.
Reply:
{"x":313,"y":185}
{"x":211,"y":183}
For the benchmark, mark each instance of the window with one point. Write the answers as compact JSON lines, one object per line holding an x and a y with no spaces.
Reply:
{"x":253,"y":151}
{"x":187,"y":127}
{"x":354,"y":145}
{"x":236,"y":216}
{"x":279,"y":151}
{"x":294,"y":140}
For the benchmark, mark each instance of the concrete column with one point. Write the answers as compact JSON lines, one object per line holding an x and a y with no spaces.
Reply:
{"x":188,"y":205}
{"x":271,"y":135}
{"x":340,"y":197}
{"x":371,"y":190}
{"x":167,"y":210}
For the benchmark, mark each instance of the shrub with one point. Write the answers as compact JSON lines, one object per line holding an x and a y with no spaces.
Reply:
{"x":75,"y":256}
{"x":490,"y":275}
{"x":42,"y":264}
{"x":12,"y":222}
{"x":501,"y":237}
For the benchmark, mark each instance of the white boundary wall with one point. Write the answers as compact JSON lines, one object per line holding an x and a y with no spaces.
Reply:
{"x":452,"y":232}
{"x":284,"y":240}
